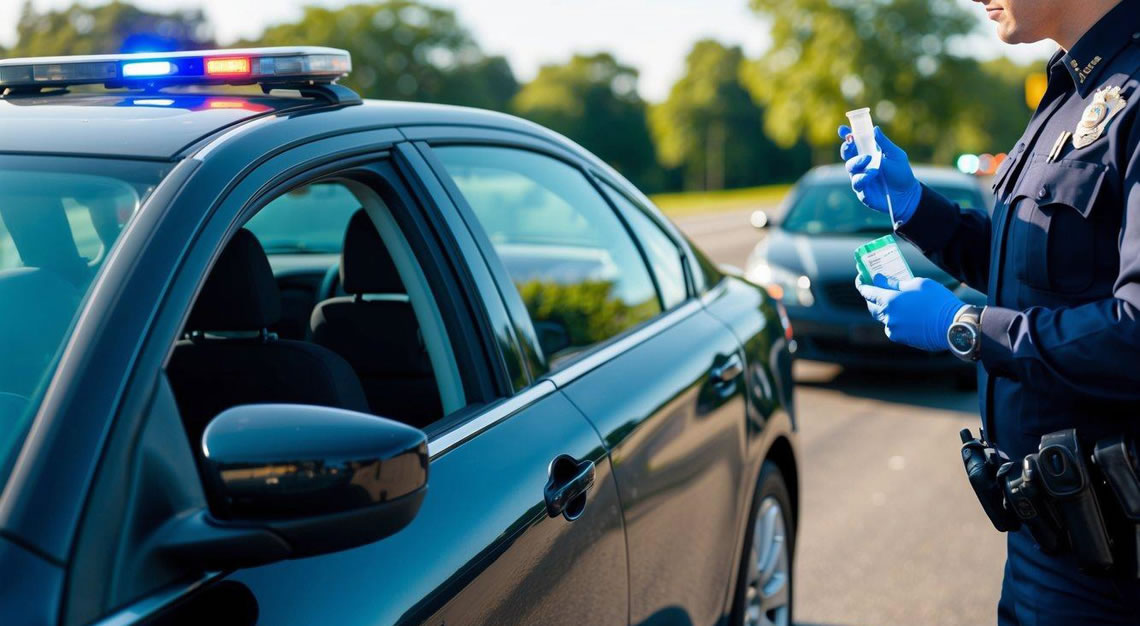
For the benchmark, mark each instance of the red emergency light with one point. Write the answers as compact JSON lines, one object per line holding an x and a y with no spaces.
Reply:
{"x":228,"y":66}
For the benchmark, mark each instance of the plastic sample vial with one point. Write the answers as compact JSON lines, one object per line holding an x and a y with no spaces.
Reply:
{"x":864,"y":131}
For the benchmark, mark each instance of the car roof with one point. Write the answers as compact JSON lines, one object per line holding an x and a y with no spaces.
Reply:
{"x":930,"y":174}
{"x":164,"y":125}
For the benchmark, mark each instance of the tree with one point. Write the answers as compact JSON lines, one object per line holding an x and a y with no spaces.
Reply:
{"x":106,"y":29}
{"x":829,"y":56}
{"x":711,"y":128}
{"x":593,"y":100}
{"x":404,"y":50}
{"x":995,"y":115}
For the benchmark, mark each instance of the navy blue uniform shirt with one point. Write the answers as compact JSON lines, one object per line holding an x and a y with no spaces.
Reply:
{"x":1059,"y":259}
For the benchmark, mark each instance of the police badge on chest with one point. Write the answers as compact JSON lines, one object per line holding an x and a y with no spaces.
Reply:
{"x":1105,"y":105}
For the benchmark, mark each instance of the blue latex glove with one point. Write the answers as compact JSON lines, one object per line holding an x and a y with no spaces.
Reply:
{"x":916,"y":312}
{"x":893,"y":171}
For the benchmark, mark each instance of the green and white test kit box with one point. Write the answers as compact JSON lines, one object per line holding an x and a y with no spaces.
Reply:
{"x":881,"y":256}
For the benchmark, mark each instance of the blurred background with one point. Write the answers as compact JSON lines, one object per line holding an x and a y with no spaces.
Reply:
{"x":715,"y":107}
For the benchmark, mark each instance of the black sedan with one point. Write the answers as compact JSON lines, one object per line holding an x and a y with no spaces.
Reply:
{"x":301,"y":359}
{"x":806,"y":258}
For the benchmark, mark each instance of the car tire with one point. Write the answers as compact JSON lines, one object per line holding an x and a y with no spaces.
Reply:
{"x":765,"y":581}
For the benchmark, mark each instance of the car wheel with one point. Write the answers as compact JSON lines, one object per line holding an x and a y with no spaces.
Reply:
{"x":764,"y":586}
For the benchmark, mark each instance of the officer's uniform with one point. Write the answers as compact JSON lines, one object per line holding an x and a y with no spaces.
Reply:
{"x":1060,"y":262}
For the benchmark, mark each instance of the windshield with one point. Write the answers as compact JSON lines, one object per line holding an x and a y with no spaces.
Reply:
{"x":59,"y":218}
{"x":833,"y":209}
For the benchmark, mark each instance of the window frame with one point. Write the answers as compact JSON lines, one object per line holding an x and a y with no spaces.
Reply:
{"x":379,"y":174}
{"x":682,"y":253}
{"x":618,"y":214}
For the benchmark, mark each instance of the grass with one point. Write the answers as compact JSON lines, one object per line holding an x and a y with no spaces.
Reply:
{"x":698,"y":202}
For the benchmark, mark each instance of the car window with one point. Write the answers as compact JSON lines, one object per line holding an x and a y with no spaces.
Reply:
{"x":383,"y":348}
{"x":831,"y":208}
{"x":574,"y":264}
{"x":663,"y":255}
{"x":311,"y":219}
{"x":59,"y":218}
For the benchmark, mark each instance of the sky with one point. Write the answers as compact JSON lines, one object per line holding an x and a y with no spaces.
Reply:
{"x":652,"y":35}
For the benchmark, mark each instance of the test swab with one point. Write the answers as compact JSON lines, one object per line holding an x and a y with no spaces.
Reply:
{"x":864,"y":132}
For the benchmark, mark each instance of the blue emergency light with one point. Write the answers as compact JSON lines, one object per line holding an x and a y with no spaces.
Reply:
{"x":279,"y":66}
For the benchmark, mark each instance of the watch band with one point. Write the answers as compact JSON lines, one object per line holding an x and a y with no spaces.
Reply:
{"x":969,"y":314}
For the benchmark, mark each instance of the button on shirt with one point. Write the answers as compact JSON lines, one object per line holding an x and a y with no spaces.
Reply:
{"x":1059,"y":259}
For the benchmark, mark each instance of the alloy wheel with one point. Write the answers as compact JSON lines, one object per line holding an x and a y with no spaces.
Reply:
{"x":768,"y":598}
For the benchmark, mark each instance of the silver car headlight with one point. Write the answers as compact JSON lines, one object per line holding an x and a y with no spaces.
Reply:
{"x":782,"y":284}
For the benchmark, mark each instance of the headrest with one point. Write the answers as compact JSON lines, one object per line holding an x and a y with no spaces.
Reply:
{"x":365,"y":265}
{"x":240,"y":293}
{"x":39,"y":228}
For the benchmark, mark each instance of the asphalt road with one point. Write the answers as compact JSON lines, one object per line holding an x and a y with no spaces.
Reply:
{"x":890,"y":531}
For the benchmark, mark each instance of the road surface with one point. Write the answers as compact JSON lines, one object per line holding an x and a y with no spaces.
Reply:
{"x":890,"y":531}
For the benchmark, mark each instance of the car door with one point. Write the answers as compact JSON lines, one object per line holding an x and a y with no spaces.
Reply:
{"x":484,"y":549}
{"x":521,"y":521}
{"x":659,"y":380}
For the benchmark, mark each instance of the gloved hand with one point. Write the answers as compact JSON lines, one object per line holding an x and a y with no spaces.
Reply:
{"x":893,"y":168}
{"x":916,"y":312}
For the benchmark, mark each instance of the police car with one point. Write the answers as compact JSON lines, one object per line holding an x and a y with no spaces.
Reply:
{"x":274,"y":353}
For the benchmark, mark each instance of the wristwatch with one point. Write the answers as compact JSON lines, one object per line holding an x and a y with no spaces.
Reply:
{"x":965,"y":333}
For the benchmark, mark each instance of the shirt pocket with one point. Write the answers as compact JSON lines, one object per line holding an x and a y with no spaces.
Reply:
{"x":1052,"y":238}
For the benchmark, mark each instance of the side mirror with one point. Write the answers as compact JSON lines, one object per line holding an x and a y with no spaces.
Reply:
{"x":759,"y":220}
{"x":287,"y":481}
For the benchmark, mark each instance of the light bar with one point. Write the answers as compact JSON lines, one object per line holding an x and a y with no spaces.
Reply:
{"x":267,"y":66}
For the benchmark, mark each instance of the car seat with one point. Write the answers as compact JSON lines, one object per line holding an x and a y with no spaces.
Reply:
{"x":230,"y":358}
{"x":378,"y":334}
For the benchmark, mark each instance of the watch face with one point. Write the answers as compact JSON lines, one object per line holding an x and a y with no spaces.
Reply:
{"x":962,"y":338}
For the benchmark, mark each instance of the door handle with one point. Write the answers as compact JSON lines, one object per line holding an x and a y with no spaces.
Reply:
{"x":565,"y":492}
{"x":727,"y":372}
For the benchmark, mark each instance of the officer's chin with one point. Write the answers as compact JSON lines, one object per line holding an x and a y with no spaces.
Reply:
{"x":1008,"y":33}
{"x":1011,"y":34}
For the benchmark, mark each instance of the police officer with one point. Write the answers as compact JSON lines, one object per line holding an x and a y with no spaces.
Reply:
{"x":1059,"y":260}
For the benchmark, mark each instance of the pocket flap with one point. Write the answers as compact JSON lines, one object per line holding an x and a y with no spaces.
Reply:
{"x":1071,"y":183}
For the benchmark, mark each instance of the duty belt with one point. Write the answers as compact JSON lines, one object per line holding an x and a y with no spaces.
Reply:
{"x":1068,"y":500}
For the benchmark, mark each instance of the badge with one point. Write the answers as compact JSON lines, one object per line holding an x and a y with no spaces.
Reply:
{"x":1105,"y":105}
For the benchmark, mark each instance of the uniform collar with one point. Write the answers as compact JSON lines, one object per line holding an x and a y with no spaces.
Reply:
{"x":1101,"y":43}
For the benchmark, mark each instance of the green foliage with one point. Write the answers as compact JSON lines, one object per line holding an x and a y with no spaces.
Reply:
{"x":711,"y":128}
{"x":593,"y":100}
{"x":403,"y":50}
{"x":106,"y":29}
{"x":740,"y":199}
{"x":995,"y":115}
{"x":830,"y":56}
{"x":588,"y":311}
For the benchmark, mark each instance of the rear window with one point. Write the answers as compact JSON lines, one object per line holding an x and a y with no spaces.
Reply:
{"x":575,"y":266}
{"x":832,"y":208}
{"x":59,"y":220}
